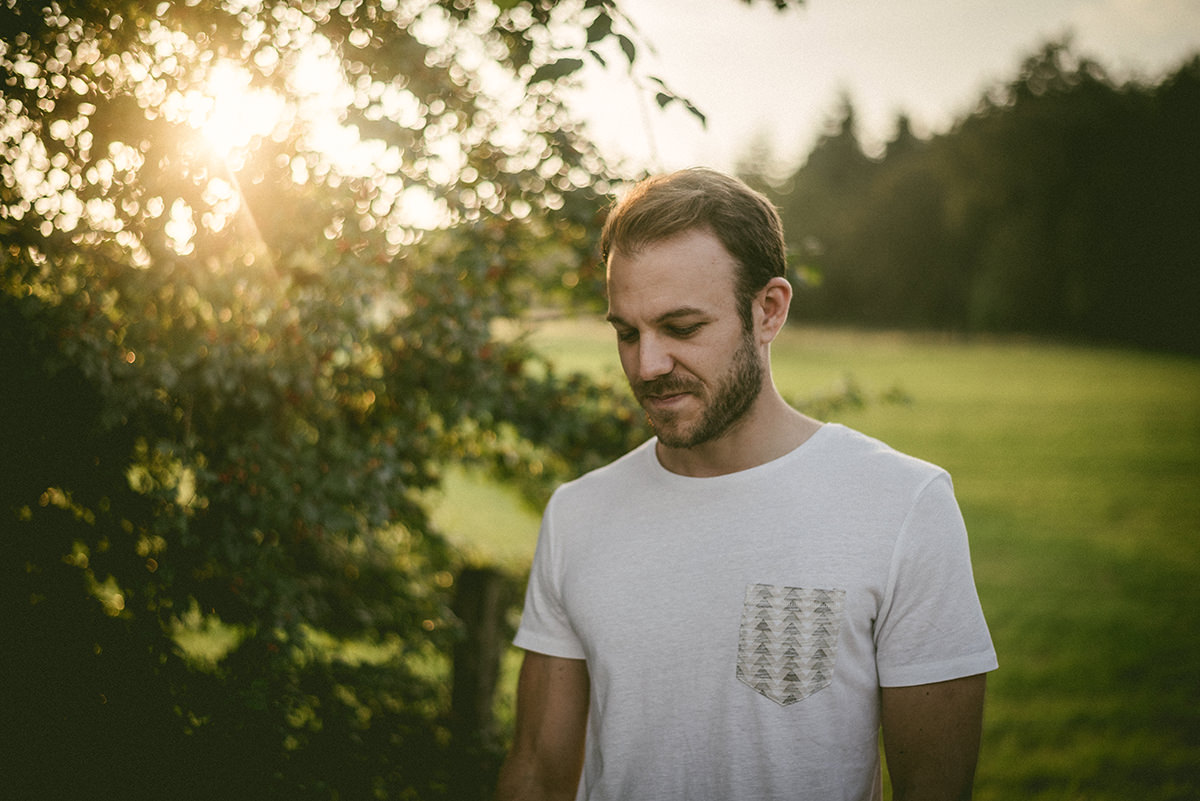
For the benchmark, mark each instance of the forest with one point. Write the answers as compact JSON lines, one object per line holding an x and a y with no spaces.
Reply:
{"x":1065,"y":205}
{"x":235,"y":358}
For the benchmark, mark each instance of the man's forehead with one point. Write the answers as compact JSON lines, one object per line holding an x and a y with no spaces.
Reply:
{"x":670,"y":279}
{"x":695,"y":254}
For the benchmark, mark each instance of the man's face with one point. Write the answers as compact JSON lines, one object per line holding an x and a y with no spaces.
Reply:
{"x":691,"y":364}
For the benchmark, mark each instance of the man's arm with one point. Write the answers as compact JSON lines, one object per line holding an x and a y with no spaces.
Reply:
{"x":931,"y":737}
{"x":547,"y":752}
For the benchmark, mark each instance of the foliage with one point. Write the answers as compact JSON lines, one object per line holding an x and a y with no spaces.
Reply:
{"x":235,"y":356}
{"x":1063,"y":205}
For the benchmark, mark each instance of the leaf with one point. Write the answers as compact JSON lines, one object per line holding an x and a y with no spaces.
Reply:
{"x":601,"y":59}
{"x":556,"y":70}
{"x":665,"y":96}
{"x":627,"y":47}
{"x":600,"y":28}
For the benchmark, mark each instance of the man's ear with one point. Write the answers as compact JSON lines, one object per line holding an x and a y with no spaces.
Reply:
{"x":771,"y":308}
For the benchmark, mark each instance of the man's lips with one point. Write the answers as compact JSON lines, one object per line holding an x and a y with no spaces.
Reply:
{"x":665,"y":398}
{"x":665,"y":394}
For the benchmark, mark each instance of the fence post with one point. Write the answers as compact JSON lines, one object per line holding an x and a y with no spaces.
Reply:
{"x":480,"y":603}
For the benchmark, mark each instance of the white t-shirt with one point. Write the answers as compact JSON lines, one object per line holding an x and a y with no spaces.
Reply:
{"x":737,"y":629}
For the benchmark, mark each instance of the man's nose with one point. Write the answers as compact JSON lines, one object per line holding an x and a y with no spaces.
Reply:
{"x":654,"y":358}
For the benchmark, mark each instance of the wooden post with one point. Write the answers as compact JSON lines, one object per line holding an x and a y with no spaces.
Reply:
{"x":480,"y":603}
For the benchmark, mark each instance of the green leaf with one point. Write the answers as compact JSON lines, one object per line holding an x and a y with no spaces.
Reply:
{"x":695,"y":112}
{"x":627,"y":47}
{"x":600,"y":28}
{"x":556,"y":70}
{"x":665,"y":96}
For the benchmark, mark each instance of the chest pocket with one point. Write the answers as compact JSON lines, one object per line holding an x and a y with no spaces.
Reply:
{"x":787,"y":641}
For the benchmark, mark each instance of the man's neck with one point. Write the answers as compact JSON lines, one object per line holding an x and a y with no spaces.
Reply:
{"x":768,"y":431}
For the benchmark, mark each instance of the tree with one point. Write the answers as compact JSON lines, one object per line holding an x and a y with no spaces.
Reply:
{"x":819,"y":212}
{"x":235,"y":358}
{"x":1060,"y":206}
{"x":1074,"y":187}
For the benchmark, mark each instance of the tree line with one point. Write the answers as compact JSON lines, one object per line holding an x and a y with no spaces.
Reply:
{"x":1065,"y":205}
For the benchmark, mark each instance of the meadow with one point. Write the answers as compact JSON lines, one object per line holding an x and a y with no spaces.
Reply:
{"x":1078,"y":471}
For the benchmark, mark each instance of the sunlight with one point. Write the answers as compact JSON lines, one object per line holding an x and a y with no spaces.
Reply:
{"x":237,"y":113}
{"x":231,"y":116}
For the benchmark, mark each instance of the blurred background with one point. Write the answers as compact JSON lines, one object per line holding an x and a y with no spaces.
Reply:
{"x":777,"y":80}
{"x":300,"y":325}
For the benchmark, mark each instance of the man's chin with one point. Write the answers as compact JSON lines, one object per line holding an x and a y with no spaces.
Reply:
{"x":677,"y":428}
{"x":674,"y":436}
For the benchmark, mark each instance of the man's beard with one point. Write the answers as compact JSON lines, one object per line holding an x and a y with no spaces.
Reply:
{"x":732,"y":397}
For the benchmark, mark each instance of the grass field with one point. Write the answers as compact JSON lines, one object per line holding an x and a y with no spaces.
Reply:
{"x":1078,"y":471}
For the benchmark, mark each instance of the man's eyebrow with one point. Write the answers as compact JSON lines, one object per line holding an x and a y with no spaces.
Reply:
{"x":675,"y":314}
{"x":665,"y":317}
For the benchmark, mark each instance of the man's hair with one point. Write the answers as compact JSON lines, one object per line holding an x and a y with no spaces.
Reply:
{"x":744,"y":221}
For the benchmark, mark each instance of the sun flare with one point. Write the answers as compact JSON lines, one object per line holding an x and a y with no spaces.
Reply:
{"x":235,"y":113}
{"x":232,"y":117}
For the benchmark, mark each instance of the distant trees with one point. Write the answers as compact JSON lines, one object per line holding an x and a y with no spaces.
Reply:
{"x":1065,"y":205}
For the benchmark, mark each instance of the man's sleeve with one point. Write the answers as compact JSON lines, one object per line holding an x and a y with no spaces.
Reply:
{"x":931,"y":626}
{"x":545,"y":626}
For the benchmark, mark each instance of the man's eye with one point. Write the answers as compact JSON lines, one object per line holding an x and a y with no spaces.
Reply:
{"x":630,"y":335}
{"x":684,"y":331}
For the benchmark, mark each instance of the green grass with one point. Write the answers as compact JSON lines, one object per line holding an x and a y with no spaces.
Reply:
{"x":1078,"y":470}
{"x":490,"y":524}
{"x":1079,"y":475}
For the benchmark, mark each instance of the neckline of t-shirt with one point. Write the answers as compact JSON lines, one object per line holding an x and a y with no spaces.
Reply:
{"x":799,"y":452}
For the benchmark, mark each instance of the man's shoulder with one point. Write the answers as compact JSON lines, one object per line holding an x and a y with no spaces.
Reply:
{"x":853,"y":453}
{"x":634,"y":466}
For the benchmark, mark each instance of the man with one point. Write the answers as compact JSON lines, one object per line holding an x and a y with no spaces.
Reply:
{"x":734,"y":609}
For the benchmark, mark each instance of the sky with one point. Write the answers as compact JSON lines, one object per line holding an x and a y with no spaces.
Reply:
{"x":764,"y":76}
